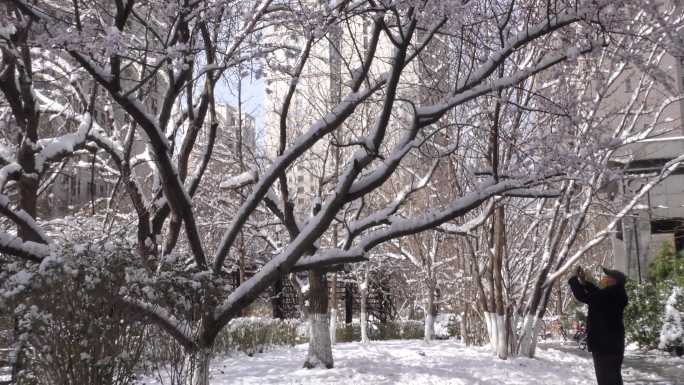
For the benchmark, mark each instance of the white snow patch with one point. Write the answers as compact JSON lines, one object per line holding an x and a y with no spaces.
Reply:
{"x":402,"y":362}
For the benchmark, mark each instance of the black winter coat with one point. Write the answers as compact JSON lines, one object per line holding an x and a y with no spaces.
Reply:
{"x":605,"y":329}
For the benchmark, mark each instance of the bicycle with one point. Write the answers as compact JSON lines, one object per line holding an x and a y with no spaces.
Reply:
{"x":581,"y":338}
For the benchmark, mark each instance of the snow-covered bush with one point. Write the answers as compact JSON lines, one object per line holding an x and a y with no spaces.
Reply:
{"x":5,"y":331}
{"x":390,"y":330}
{"x":397,"y":330}
{"x":643,"y":314}
{"x":672,"y":332}
{"x":71,"y":327}
{"x":345,"y":332}
{"x":667,"y":265}
{"x":447,"y":325}
{"x":256,"y":334}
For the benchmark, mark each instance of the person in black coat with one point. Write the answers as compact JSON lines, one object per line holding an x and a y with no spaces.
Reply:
{"x":605,"y":329}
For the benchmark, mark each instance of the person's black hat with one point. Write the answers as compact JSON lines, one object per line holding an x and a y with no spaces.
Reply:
{"x":616,"y":274}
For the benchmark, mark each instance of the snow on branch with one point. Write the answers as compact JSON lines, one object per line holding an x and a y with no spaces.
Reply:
{"x":9,"y":172}
{"x":399,"y":227}
{"x":382,"y":216}
{"x":432,"y":218}
{"x":472,"y":224}
{"x":164,"y":319}
{"x":655,"y":121}
{"x":472,"y":86}
{"x":375,"y":178}
{"x":259,"y":11}
{"x":61,"y":146}
{"x":6,"y":155}
{"x":302,"y":244}
{"x":603,"y":234}
{"x":532,"y":193}
{"x":328,"y":257}
{"x":96,"y":133}
{"x":315,"y":133}
{"x":238,"y":181}
{"x":431,"y":112}
{"x":22,"y":219}
{"x":30,"y":251}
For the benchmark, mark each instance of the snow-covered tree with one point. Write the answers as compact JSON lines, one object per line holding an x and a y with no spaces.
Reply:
{"x":672,"y":333}
{"x":157,"y":65}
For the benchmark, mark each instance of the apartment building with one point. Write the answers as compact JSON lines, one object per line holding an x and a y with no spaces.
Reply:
{"x":657,"y":219}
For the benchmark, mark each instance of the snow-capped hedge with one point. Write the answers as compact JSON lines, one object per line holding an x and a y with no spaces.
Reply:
{"x":397,"y":330}
{"x":256,"y":334}
{"x":392,"y":330}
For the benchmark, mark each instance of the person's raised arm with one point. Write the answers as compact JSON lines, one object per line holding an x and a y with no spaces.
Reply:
{"x":581,"y":288}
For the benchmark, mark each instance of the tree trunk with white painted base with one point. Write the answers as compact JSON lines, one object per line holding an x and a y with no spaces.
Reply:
{"x":498,"y":336}
{"x":464,"y":326}
{"x":497,"y":319}
{"x":429,"y":331}
{"x":333,"y":326}
{"x":320,"y":349}
{"x":333,"y":309}
{"x":202,"y":361}
{"x":534,"y":313}
{"x":363,"y":290}
{"x":528,"y":337}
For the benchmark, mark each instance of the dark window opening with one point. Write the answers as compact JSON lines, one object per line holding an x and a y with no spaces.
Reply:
{"x":670,"y":226}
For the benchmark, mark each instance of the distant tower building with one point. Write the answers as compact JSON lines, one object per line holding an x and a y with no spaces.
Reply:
{"x":235,"y":142}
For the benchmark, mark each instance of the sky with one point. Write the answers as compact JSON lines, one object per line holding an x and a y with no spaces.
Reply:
{"x":253,"y":94}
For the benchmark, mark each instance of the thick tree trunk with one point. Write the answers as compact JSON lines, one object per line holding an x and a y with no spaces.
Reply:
{"x":429,"y":333}
{"x":528,"y":338}
{"x":511,"y":335}
{"x":488,"y":316}
{"x":241,"y":268}
{"x":28,"y":186}
{"x":202,"y":361}
{"x":502,"y":337}
{"x":320,"y":349}
{"x":277,"y":299}
{"x":363,"y":289}
{"x":499,"y":318}
{"x":498,"y":336}
{"x":464,"y":326}
{"x":348,"y":304}
{"x":333,"y":309}
{"x":335,"y":83}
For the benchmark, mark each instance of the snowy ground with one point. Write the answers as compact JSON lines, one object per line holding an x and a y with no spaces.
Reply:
{"x":639,"y":367}
{"x":403,"y":362}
